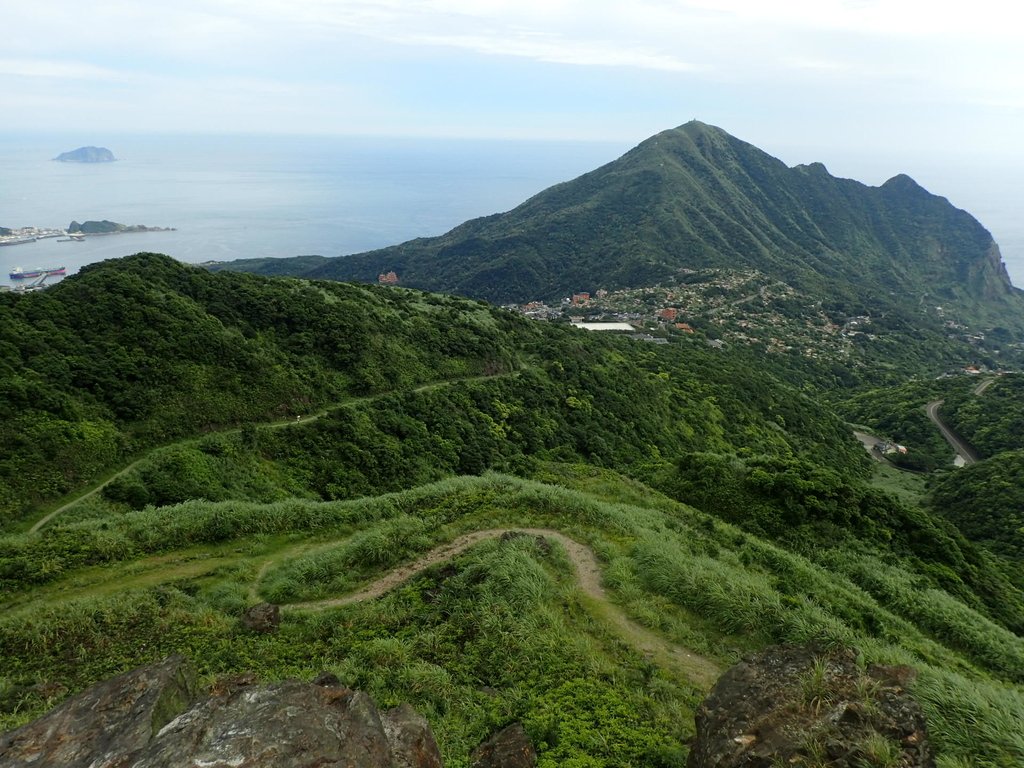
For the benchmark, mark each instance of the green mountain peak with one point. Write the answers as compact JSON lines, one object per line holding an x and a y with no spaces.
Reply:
{"x":695,"y":197}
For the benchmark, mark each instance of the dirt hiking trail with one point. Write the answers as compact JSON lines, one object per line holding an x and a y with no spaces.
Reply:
{"x":702,"y":671}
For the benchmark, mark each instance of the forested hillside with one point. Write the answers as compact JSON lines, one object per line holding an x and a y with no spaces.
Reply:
{"x":137,"y":352}
{"x":992,"y":421}
{"x":140,"y":352}
{"x":986,"y":500}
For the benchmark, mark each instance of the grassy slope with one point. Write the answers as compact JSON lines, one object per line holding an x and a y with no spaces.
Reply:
{"x":501,"y":632}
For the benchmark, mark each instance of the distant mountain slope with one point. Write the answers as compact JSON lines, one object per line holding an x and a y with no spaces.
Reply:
{"x":694,"y":197}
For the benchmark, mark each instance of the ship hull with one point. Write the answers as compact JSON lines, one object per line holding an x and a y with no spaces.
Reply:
{"x":21,"y":274}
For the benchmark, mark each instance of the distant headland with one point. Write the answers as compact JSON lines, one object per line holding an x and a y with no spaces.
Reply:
{"x":110,"y":228}
{"x":75,"y":233}
{"x":86,"y":155}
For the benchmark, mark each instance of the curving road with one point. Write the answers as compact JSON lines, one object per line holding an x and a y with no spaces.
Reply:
{"x":963,"y":451}
{"x":700,"y":670}
{"x":980,"y":389}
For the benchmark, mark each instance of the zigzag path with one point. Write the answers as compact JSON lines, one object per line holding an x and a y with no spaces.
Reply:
{"x":39,"y":524}
{"x":702,"y":671}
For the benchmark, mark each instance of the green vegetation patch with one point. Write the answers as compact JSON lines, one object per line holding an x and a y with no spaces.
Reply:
{"x":502,"y":631}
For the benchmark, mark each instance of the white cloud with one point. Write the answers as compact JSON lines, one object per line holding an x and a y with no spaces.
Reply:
{"x":554,"y":49}
{"x":661,"y":55}
{"x":51,"y":68}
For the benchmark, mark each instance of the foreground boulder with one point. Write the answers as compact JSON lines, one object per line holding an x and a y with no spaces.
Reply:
{"x":508,"y":748}
{"x":152,"y":718}
{"x":108,"y":724}
{"x":793,"y":705}
{"x":263,"y":618}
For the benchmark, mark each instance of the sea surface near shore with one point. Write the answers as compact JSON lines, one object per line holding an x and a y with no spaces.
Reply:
{"x":233,"y":197}
{"x":243,"y":197}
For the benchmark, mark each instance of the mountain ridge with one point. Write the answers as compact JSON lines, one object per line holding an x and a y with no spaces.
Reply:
{"x":696,"y":197}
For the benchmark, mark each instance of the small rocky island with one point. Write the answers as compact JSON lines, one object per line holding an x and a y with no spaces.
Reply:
{"x":86,"y":155}
{"x":110,"y":228}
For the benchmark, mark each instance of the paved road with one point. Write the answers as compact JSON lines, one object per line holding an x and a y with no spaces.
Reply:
{"x":980,"y":389}
{"x":963,"y":451}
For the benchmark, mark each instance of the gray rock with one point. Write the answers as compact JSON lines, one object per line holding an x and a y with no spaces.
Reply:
{"x":795,"y":705}
{"x":152,"y":718}
{"x":410,"y":738}
{"x":508,"y":748}
{"x":107,"y":725}
{"x":284,"y":725}
{"x":262,"y":617}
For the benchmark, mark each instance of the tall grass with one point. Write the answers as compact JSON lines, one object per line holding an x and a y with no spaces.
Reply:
{"x":940,"y":615}
{"x":338,"y":569}
{"x":499,"y":633}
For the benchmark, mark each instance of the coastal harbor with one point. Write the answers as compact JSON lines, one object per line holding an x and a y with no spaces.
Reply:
{"x":28,"y":235}
{"x":32,"y":279}
{"x":43,"y":257}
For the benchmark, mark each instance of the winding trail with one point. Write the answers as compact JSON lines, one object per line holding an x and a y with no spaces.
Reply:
{"x":702,"y":671}
{"x":42,"y":522}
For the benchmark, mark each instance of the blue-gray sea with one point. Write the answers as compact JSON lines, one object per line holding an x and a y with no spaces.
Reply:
{"x":232,"y":197}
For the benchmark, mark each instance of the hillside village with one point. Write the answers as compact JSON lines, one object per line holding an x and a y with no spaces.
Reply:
{"x":735,"y":307}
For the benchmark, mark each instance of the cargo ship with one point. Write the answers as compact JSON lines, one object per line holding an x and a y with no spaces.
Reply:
{"x":28,"y":274}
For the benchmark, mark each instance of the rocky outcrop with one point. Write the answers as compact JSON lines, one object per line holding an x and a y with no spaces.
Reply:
{"x":508,"y":748}
{"x":263,"y":618}
{"x":793,"y":705}
{"x":152,"y":718}
{"x":86,"y":155}
{"x":412,"y":743}
{"x":106,"y":725}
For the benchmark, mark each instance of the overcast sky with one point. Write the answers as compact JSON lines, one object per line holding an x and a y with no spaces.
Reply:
{"x":799,"y":78}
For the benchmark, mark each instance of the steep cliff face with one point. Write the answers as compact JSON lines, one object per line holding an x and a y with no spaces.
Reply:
{"x":793,"y":705}
{"x":154,"y":717}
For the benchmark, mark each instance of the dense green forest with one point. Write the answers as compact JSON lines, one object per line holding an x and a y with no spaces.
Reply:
{"x":290,"y":440}
{"x":986,"y":501}
{"x":141,"y":352}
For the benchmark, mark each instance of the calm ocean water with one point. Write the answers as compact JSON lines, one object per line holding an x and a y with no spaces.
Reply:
{"x":242,"y":197}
